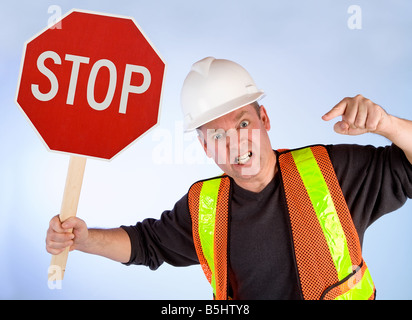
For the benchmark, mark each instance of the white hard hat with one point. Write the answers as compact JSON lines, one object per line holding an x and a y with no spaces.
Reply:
{"x":213,"y":88}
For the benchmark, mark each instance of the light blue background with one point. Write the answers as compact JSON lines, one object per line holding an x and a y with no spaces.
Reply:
{"x":302,"y":54}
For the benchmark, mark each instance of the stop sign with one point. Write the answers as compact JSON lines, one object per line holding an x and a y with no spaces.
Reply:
{"x":92,"y":86}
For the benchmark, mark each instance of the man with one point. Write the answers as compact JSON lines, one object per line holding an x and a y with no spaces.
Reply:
{"x":284,"y":224}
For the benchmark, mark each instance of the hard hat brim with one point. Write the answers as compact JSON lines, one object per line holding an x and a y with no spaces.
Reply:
{"x":222,"y":110}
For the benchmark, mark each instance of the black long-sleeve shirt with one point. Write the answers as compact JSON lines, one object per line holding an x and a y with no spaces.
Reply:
{"x":374,"y":181}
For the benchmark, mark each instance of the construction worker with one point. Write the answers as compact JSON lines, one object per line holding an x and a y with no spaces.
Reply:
{"x":278,"y":224}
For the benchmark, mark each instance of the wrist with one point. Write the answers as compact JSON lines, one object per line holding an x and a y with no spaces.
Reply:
{"x":389,"y":128}
{"x":110,"y":243}
{"x":84,"y":242}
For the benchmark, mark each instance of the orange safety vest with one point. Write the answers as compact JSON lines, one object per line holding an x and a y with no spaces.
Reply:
{"x":326,"y":245}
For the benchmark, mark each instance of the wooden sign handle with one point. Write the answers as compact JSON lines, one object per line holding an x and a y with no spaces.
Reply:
{"x":68,"y":209}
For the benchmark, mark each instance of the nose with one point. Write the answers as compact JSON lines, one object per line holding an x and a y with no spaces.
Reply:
{"x":237,"y":141}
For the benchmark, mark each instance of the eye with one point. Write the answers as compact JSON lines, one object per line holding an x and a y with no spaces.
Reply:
{"x":218,"y":136}
{"x":244,"y":124}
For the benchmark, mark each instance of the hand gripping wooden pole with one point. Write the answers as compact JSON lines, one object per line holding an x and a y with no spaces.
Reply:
{"x":68,"y":209}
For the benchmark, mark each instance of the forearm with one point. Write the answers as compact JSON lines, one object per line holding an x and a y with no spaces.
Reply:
{"x":110,"y":243}
{"x":399,"y":131}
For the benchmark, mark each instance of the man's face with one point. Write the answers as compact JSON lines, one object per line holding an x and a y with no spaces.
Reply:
{"x":238,"y":142}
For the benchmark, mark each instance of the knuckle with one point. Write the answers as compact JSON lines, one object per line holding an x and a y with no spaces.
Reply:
{"x":50,"y":249}
{"x":54,"y":251}
{"x":58,"y":238}
{"x":359,"y":123}
{"x":376,"y":107}
{"x":55,"y":223}
{"x":371,"y":126}
{"x":52,"y":236}
{"x":369,"y":103}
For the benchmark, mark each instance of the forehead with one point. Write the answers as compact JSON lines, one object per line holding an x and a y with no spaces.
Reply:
{"x":229,"y":120}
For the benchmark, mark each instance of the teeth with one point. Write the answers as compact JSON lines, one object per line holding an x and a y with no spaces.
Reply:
{"x":243,"y":159}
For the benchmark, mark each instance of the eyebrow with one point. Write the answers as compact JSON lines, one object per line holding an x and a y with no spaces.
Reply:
{"x":240,"y":116}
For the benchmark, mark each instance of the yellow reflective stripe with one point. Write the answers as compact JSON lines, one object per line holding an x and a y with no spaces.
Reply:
{"x":207,"y":214}
{"x":328,"y":218}
{"x":363,"y":290}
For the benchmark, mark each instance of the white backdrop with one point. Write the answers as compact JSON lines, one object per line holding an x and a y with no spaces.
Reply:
{"x":306,"y":57}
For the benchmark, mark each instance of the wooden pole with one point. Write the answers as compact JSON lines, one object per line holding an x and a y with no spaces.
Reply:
{"x":70,"y":201}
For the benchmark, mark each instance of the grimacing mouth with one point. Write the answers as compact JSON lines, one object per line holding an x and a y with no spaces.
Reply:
{"x":244,"y":158}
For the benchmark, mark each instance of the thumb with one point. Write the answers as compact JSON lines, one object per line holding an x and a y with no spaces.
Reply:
{"x":341,"y":127}
{"x":71,"y":223}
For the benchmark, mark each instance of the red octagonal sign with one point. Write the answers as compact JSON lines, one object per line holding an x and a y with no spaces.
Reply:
{"x":91,"y":86}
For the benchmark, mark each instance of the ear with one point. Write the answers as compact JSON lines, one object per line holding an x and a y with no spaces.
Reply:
{"x":264,"y":118}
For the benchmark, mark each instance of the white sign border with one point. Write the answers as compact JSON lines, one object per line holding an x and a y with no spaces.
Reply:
{"x":101,"y":14}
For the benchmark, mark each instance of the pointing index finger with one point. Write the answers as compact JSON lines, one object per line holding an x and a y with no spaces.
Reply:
{"x":336,"y":111}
